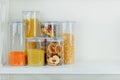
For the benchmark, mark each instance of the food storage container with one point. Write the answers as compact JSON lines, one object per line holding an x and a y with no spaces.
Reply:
{"x":36,"y":56}
{"x":4,"y":12}
{"x":17,"y":54}
{"x":32,"y":23}
{"x":50,"y":29}
{"x":69,"y":41}
{"x":55,"y":51}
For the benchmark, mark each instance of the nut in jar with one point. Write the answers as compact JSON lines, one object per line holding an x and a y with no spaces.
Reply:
{"x":55,"y":52}
{"x":49,"y":29}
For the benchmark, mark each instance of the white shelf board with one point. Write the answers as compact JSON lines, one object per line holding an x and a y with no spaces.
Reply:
{"x":81,"y":68}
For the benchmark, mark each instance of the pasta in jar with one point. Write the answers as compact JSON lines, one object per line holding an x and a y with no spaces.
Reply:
{"x":69,"y":50}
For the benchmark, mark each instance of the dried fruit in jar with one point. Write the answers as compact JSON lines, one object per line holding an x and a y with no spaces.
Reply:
{"x":58,"y":49}
{"x":55,"y":54}
{"x":51,"y":48}
{"x":53,"y":60}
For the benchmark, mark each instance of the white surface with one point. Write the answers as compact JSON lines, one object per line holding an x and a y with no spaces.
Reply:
{"x":60,"y":77}
{"x":81,"y":68}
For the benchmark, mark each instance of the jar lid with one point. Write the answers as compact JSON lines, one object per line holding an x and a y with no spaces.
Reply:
{"x":49,"y":22}
{"x":16,"y":22}
{"x":30,"y":11}
{"x":55,"y":39}
{"x":67,"y":22}
{"x":35,"y":39}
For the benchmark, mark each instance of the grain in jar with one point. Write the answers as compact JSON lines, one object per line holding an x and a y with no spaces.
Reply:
{"x":69,"y":41}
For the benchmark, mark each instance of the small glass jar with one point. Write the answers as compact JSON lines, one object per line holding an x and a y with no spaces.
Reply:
{"x":50,"y":29}
{"x":17,"y":55}
{"x":36,"y":56}
{"x":55,"y":52}
{"x":32,"y":23}
{"x":69,"y":41}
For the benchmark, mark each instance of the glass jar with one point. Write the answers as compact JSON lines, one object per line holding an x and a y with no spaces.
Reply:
{"x":17,"y":55}
{"x":55,"y":51}
{"x":49,"y":29}
{"x":69,"y":41}
{"x":4,"y":50}
{"x":32,"y":23}
{"x":36,"y":56}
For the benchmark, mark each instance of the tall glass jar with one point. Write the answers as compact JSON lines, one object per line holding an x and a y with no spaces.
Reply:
{"x":32,"y":23}
{"x":69,"y":41}
{"x":55,"y":52}
{"x":17,"y":54}
{"x":4,"y":11}
{"x":36,"y":56}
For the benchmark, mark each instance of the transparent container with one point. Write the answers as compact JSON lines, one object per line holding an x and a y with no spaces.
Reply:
{"x":50,"y":29}
{"x":32,"y":23}
{"x":4,"y":11}
{"x":67,"y":33}
{"x":17,"y":54}
{"x":55,"y":52}
{"x":36,"y":56}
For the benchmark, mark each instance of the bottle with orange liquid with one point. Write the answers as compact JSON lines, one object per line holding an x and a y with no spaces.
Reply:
{"x":17,"y":55}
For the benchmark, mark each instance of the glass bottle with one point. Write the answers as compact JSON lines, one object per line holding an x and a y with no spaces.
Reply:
{"x":69,"y":41}
{"x":17,"y":54}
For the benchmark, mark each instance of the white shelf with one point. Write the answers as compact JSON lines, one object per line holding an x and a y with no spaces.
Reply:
{"x":81,"y":68}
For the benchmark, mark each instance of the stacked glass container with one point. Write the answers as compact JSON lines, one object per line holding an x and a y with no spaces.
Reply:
{"x":41,"y":43}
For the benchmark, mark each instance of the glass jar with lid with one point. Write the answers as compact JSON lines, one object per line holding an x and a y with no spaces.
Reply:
{"x":50,"y":29}
{"x":55,"y":51}
{"x":36,"y":56}
{"x":32,"y":23}
{"x":67,"y":33}
{"x":17,"y":55}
